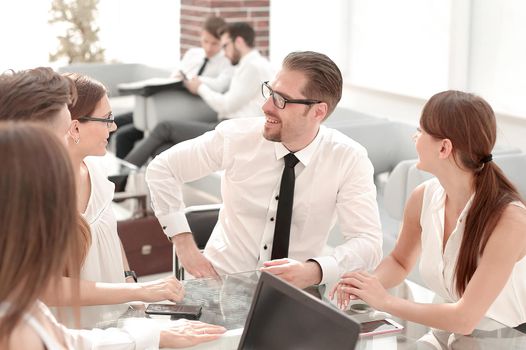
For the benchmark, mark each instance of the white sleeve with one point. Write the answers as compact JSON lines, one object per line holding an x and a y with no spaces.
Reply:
{"x":184,"y":162}
{"x":191,"y":59}
{"x":221,"y":82}
{"x":245,"y":85}
{"x":359,"y":222}
{"x":134,"y":334}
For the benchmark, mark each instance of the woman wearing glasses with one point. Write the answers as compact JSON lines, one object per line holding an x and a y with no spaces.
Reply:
{"x":103,"y":259}
{"x":42,"y":96}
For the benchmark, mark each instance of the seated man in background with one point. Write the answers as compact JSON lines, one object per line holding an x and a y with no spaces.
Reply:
{"x":243,"y":98}
{"x":286,"y":181}
{"x":206,"y":63}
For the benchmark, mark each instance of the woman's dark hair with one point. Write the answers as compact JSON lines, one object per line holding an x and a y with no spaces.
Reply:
{"x":89,"y":91}
{"x":469,"y":123}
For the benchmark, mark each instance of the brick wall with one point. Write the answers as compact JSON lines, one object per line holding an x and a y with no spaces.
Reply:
{"x":194,"y":12}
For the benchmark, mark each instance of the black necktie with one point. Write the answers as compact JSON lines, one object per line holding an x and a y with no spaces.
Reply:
{"x":280,"y":246}
{"x":202,"y":68}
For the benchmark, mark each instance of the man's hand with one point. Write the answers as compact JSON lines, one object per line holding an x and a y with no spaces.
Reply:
{"x":192,"y":85}
{"x":300,"y":274}
{"x":168,"y":288}
{"x":191,"y":258}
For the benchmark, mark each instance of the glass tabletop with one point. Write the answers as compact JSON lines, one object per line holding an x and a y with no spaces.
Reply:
{"x":226,"y":301}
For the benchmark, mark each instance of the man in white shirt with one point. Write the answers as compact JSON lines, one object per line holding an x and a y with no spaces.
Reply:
{"x":206,"y":63}
{"x":243,"y":98}
{"x":333,"y":181}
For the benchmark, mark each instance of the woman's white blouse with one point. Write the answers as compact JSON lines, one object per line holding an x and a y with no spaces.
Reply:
{"x":437,"y":269}
{"x":104,"y":259}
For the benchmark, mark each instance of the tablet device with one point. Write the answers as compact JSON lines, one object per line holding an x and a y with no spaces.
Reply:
{"x":191,"y":312}
{"x":377,"y":327}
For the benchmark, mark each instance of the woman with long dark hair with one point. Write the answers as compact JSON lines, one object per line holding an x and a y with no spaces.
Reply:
{"x":467,"y":225}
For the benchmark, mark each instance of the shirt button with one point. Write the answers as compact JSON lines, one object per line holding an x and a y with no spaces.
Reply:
{"x":265,"y":247}
{"x":271,"y":219}
{"x":277,"y":197}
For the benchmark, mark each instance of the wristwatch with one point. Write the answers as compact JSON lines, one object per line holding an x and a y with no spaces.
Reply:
{"x":130,"y":273}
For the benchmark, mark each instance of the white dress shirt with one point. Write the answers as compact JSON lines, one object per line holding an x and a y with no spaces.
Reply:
{"x":438,"y":269}
{"x":218,"y":71}
{"x":334,"y":180}
{"x":243,"y":98}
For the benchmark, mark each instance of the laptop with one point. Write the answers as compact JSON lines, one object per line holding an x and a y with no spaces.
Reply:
{"x":284,"y":317}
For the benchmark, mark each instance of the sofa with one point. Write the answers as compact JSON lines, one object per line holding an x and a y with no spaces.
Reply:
{"x":113,"y":74}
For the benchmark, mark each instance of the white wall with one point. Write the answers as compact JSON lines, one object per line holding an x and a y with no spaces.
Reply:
{"x":322,"y":26}
{"x":301,"y":25}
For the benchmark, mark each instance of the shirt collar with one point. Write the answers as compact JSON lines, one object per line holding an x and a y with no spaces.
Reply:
{"x":304,"y":155}
{"x":248,"y":56}
{"x":218,"y":55}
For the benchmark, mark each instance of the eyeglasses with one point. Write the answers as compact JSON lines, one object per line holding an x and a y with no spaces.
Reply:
{"x":109,"y":120}
{"x":280,"y":101}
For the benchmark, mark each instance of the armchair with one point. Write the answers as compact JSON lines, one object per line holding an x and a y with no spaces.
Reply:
{"x":405,"y":177}
{"x":387,"y":142}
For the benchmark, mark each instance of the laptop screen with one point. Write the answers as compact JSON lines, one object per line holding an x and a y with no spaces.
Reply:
{"x":285,"y":317}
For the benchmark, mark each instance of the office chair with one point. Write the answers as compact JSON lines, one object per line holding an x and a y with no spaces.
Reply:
{"x":202,"y":220}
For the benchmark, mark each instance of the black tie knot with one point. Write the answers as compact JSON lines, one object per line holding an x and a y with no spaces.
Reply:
{"x":291,"y":160}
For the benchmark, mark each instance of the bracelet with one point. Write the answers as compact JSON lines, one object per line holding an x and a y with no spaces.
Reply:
{"x":130,"y":273}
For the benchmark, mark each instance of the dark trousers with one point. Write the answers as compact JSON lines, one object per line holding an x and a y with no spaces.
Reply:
{"x":126,"y":137}
{"x":165,"y":135}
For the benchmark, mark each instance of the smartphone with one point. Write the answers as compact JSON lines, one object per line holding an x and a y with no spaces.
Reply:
{"x":379,"y":327}
{"x":183,"y":75}
{"x":192,"y":312}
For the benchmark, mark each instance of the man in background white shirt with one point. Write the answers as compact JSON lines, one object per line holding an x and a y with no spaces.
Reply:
{"x":243,"y":98}
{"x":206,"y":63}
{"x":333,"y":181}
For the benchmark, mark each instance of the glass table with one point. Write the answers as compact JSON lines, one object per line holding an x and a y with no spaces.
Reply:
{"x":226,"y":301}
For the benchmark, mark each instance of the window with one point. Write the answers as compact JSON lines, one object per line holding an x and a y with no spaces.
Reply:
{"x":498,"y":54}
{"x":400,"y":46}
